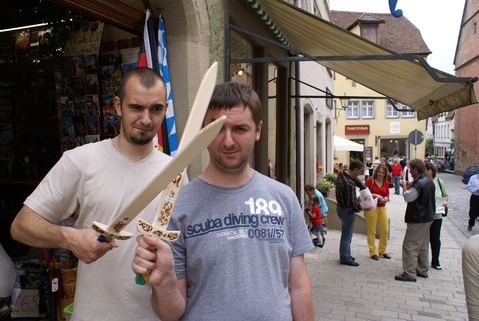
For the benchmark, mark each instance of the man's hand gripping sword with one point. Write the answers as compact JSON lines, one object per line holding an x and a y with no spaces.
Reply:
{"x":189,"y":151}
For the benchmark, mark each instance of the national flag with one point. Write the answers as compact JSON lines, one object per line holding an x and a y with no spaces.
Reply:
{"x":170,"y":113}
{"x":148,"y":57}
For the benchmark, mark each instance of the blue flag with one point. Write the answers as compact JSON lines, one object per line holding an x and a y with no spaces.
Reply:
{"x":170,"y":113}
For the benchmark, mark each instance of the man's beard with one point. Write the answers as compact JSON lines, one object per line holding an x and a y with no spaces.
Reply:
{"x":140,"y":141}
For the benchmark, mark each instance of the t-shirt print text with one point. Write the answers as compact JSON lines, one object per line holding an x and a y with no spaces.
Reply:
{"x":265,"y":222}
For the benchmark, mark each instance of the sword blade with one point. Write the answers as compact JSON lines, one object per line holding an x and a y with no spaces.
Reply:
{"x":193,"y":126}
{"x":182,"y":159}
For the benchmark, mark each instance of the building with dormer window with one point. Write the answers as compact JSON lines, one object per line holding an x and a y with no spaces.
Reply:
{"x":381,"y":125}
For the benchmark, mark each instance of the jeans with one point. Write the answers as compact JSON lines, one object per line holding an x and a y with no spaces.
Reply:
{"x":347,"y":217}
{"x":396,"y":184}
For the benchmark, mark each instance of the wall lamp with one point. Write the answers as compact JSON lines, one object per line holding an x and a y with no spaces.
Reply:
{"x":344,"y":102}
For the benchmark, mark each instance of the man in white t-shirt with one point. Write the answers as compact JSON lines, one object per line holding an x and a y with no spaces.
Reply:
{"x":376,"y":162}
{"x":94,"y":182}
{"x":406,"y":174}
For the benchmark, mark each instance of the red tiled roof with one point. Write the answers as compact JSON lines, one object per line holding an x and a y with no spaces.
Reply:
{"x":397,"y":34}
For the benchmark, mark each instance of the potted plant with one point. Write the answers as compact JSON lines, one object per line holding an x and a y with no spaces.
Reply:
{"x":330,"y":177}
{"x":324,"y":186}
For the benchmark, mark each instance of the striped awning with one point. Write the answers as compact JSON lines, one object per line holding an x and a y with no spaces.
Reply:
{"x":406,"y":81}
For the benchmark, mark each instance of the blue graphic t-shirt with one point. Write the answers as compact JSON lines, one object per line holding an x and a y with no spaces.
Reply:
{"x":235,"y":248}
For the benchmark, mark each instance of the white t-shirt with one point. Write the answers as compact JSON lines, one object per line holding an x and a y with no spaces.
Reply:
{"x":95,"y":182}
{"x":406,"y":174}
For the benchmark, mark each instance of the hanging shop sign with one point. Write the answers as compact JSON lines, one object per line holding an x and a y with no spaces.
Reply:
{"x":84,"y":40}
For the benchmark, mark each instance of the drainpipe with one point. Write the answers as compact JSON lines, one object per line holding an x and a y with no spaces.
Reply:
{"x":297,"y":103}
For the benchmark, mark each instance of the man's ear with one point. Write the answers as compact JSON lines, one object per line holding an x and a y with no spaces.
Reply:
{"x":258,"y":130}
{"x":166,"y":107}
{"x":117,"y":104}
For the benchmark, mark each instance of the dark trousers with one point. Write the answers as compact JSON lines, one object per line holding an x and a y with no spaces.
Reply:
{"x":473,"y":209}
{"x":435,"y":240}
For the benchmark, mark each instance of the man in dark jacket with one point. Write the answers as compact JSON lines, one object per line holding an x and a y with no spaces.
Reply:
{"x":420,"y":210}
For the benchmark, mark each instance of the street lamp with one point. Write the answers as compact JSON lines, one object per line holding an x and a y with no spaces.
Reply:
{"x":344,"y":102}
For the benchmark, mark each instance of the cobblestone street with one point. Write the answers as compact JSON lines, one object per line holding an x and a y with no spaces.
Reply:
{"x":369,"y":292}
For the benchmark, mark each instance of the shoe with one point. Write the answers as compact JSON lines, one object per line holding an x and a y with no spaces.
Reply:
{"x":350,"y":263}
{"x":375,"y":257}
{"x":437,"y":267}
{"x":469,"y":228}
{"x":385,"y":255}
{"x":402,"y":277}
{"x":422,"y":275}
{"x":352,"y":258}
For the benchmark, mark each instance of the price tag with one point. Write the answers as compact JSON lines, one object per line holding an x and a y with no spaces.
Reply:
{"x":26,"y":304}
{"x":55,"y":285}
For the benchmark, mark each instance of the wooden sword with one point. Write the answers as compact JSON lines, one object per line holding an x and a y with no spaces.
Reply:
{"x":182,"y":159}
{"x":168,"y":198}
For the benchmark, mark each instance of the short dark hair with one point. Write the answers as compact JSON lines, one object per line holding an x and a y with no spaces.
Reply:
{"x":308,"y":187}
{"x":356,"y":164}
{"x":146,"y":76}
{"x":230,"y":94}
{"x":417,"y":164}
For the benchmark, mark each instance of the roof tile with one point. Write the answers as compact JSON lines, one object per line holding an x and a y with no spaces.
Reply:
{"x":397,"y":34}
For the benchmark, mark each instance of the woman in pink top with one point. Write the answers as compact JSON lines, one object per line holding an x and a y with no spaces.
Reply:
{"x":379,"y":188}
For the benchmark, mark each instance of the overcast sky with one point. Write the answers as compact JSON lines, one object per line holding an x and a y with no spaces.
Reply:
{"x":438,"y":20}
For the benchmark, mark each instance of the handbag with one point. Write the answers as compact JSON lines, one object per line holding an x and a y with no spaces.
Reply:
{"x":442,"y":194}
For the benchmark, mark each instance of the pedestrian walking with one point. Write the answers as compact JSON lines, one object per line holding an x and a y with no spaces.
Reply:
{"x":473,"y":188}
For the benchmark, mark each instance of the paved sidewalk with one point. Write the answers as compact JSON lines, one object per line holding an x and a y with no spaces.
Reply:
{"x":369,"y":292}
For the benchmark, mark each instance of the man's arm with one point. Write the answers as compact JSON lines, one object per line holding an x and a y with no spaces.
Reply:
{"x":32,"y":229}
{"x":471,"y":185}
{"x":409,"y":193}
{"x":169,"y":294}
{"x":359,"y":184}
{"x":300,"y":290}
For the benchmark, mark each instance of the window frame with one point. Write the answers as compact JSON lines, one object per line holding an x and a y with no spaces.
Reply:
{"x":371,"y":107}
{"x":353,"y":105}
{"x":408,"y":114}
{"x":394,"y":111}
